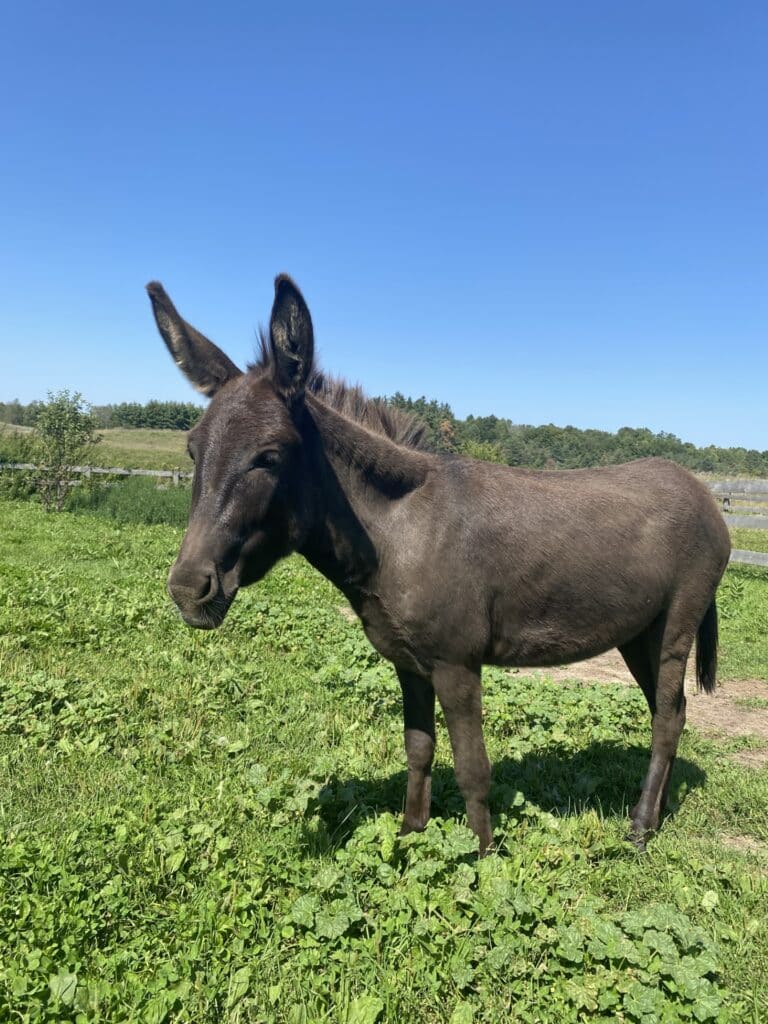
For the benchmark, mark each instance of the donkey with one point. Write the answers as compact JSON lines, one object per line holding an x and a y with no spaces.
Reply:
{"x":449,"y":563}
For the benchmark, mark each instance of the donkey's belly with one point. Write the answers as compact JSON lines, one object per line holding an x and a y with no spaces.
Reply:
{"x":570,"y":632}
{"x":531,"y":653}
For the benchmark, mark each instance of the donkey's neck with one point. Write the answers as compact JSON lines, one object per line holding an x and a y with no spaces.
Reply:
{"x":369,"y":460}
{"x":360,"y":475}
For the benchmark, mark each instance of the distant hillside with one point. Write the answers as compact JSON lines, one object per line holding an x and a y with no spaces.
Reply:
{"x":153,"y":434}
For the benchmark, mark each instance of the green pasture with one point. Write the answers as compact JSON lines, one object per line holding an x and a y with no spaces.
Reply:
{"x":202,"y":827}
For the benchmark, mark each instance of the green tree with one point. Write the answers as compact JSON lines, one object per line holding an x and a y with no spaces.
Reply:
{"x":64,"y":436}
{"x":487,"y":451}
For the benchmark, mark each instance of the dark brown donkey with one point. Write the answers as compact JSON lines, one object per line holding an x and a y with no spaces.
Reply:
{"x":449,"y":563}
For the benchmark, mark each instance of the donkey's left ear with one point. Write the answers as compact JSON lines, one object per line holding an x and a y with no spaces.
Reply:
{"x":204,"y":365}
{"x":291,"y":339}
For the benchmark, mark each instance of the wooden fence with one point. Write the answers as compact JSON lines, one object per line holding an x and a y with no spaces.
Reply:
{"x":175,"y":475}
{"x":744,"y":502}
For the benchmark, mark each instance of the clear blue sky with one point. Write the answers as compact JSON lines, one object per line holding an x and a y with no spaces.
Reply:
{"x":554,"y":212}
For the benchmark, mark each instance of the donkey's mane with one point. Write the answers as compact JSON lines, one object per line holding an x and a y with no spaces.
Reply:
{"x":350,"y":401}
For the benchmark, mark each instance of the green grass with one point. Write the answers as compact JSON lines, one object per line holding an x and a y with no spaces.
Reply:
{"x":133,"y":500}
{"x":742,"y":603}
{"x":750,"y":540}
{"x":753,"y":703}
{"x":202,"y":827}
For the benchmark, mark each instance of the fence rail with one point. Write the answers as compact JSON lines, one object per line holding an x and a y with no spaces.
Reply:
{"x":175,"y":475}
{"x":728,"y":492}
{"x":749,"y":557}
{"x":748,"y":486}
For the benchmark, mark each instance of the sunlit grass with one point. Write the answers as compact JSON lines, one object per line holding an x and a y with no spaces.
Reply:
{"x":202,"y":827}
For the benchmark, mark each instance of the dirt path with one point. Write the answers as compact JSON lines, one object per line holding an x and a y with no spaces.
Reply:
{"x":722,"y":713}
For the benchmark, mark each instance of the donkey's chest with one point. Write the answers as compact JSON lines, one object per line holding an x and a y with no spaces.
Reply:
{"x":392,"y":634}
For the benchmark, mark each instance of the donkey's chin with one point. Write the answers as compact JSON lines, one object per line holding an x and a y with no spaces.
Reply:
{"x":206,"y":616}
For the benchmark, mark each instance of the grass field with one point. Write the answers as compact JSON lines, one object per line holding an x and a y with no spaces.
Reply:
{"x":202,"y":827}
{"x":133,"y":448}
{"x":144,"y":449}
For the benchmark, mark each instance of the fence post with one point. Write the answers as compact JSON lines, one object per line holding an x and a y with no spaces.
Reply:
{"x":175,"y":478}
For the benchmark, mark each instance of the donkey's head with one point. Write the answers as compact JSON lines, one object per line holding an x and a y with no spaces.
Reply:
{"x":246,"y":510}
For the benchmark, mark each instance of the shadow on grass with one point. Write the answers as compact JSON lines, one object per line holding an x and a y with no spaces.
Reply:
{"x":605,"y":776}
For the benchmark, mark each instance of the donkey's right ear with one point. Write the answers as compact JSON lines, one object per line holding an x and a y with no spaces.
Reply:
{"x":292,"y":340}
{"x":203,"y":363}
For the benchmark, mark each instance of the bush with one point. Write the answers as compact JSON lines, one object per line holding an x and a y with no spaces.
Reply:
{"x":16,"y":447}
{"x":64,"y":436}
{"x":486,"y":451}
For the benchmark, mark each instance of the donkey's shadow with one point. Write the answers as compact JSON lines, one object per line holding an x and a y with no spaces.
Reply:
{"x":604,"y":776}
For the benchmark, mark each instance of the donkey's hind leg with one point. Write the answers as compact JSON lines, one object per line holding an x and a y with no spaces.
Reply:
{"x":419,"y":716}
{"x":666,"y":655}
{"x":637,"y":655}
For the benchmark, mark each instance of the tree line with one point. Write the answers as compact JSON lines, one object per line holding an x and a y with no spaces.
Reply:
{"x":153,"y":414}
{"x":492,"y":438}
{"x":549,"y":447}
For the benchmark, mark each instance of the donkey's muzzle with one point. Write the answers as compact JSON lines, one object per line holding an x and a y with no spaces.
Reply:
{"x":197,"y":593}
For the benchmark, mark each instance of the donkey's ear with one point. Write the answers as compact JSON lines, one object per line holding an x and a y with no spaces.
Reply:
{"x":202,"y":362}
{"x":291,"y":339}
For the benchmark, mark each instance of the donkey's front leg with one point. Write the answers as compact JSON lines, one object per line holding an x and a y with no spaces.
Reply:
{"x":459,"y":692}
{"x":419,"y":716}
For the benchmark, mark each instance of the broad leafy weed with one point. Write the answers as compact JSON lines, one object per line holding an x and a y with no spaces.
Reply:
{"x":203,"y":827}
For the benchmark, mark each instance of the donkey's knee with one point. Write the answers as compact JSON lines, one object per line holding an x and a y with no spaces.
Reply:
{"x":419,"y":750}
{"x":473,"y":774}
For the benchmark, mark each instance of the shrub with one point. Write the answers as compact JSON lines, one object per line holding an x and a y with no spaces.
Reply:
{"x":64,"y":436}
{"x":16,"y":447}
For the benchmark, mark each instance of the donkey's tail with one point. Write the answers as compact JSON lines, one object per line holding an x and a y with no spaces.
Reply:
{"x":706,"y":650}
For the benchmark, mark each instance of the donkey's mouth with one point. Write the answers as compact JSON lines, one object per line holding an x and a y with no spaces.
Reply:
{"x":209,"y":615}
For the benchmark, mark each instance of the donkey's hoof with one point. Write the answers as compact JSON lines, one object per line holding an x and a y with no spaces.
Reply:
{"x":638,"y":837}
{"x":407,"y":829}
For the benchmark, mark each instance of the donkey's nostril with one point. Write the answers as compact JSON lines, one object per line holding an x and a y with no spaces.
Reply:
{"x":207,"y":588}
{"x":198,"y":586}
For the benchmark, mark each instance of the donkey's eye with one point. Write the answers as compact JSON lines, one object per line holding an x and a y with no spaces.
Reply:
{"x":268,"y":459}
